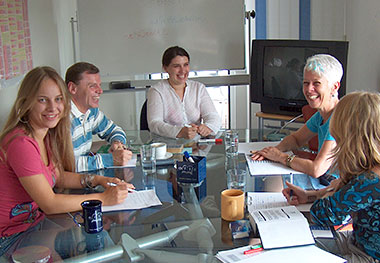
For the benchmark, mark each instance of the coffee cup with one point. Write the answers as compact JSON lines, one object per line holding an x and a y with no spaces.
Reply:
{"x":232,"y":204}
{"x":160,"y":149}
{"x":92,"y":216}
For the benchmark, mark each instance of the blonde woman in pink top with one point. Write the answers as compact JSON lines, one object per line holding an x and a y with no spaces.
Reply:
{"x":36,"y":154}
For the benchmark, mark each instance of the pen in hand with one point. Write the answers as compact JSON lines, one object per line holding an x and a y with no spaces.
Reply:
{"x":129,"y":189}
{"x":291,"y":194}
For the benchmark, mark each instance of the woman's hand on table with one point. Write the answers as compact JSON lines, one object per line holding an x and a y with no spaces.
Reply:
{"x":188,"y":132}
{"x":204,"y":131}
{"x":256,"y":156}
{"x":270,"y":153}
{"x":116,"y":194}
{"x":107,"y":182}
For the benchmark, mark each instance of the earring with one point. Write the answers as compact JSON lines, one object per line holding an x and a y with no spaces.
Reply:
{"x":23,"y":121}
{"x":20,"y":118}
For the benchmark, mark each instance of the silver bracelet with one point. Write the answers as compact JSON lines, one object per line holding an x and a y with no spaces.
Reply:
{"x":87,"y":180}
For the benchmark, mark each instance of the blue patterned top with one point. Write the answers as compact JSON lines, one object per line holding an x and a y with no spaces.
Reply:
{"x":359,"y":198}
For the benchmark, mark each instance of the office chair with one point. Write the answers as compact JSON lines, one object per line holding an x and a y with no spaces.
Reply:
{"x":143,"y":117}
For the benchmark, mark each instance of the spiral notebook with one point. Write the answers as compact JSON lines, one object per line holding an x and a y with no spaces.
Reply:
{"x":265,"y":167}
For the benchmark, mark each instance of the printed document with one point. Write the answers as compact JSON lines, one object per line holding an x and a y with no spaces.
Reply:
{"x":136,"y":200}
{"x":262,"y":200}
{"x":310,"y":254}
{"x":282,"y":227}
{"x":265,"y":167}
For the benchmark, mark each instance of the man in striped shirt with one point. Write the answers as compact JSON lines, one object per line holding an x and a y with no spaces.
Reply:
{"x":83,"y":82}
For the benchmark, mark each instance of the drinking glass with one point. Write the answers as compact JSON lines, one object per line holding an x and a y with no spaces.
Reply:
{"x":148,"y":164}
{"x":236,"y":179}
{"x":231,"y":140}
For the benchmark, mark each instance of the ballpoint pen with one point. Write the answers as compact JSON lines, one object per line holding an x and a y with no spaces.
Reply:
{"x":291,"y":194}
{"x":113,"y":184}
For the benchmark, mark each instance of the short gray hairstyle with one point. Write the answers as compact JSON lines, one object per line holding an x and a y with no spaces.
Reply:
{"x":325,"y":66}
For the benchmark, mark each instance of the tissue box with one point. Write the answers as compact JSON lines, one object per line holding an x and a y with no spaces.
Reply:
{"x":188,"y":172}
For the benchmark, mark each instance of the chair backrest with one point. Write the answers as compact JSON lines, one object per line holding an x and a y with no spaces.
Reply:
{"x":143,"y":118}
{"x":307,"y":112}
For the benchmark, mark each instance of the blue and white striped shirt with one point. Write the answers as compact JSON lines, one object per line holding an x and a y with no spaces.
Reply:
{"x":83,"y":126}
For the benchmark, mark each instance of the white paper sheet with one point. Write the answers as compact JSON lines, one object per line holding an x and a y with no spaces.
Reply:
{"x":309,"y":254}
{"x":264,"y":167}
{"x":262,"y":200}
{"x":136,"y":200}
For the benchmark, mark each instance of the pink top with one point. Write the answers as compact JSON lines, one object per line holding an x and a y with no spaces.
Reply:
{"x":18,"y":211}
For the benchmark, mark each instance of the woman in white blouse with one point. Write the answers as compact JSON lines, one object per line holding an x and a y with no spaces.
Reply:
{"x":178,"y":107}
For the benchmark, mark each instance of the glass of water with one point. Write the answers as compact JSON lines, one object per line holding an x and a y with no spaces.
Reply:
{"x":148,"y":164}
{"x":231,"y":140}
{"x":236,"y":179}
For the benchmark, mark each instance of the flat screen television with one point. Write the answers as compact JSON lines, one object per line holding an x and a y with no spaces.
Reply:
{"x":277,"y":72}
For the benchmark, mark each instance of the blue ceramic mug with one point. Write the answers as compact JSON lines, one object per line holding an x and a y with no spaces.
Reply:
{"x":92,"y":216}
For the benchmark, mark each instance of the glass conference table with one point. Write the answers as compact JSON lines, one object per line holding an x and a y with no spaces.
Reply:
{"x":187,"y":227}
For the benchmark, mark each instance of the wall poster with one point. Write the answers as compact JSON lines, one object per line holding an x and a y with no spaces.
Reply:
{"x":15,"y":40}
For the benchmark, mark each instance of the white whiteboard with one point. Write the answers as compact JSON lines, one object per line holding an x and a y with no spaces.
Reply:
{"x":128,"y":37}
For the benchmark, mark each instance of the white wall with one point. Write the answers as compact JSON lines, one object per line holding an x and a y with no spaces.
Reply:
{"x":356,"y":21}
{"x":282,"y":19}
{"x":328,"y":19}
{"x":44,"y":39}
{"x":43,"y":30}
{"x":363,"y":33}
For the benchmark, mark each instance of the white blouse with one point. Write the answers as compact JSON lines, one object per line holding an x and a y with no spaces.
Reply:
{"x":167,"y":114}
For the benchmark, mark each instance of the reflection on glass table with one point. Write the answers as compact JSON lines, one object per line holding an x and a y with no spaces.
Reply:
{"x":190,"y":212}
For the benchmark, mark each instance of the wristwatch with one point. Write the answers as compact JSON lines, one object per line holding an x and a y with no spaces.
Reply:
{"x":289,"y":159}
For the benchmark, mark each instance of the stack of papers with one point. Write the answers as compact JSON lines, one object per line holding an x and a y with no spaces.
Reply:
{"x":135,"y":200}
{"x":310,"y":254}
{"x":264,"y":167}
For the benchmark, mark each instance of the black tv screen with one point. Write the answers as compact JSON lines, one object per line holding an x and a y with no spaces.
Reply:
{"x":277,"y":72}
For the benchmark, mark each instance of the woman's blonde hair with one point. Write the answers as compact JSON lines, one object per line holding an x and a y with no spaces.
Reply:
{"x":355,"y":125}
{"x":59,"y":137}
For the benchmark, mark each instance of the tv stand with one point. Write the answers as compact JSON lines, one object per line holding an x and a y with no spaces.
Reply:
{"x":274,"y":117}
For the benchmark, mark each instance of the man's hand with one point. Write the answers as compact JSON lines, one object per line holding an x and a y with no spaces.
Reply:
{"x":117,"y":145}
{"x":121,"y":157}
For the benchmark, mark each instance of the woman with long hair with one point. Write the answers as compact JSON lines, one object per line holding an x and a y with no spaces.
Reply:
{"x":36,"y":154}
{"x":355,"y":125}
